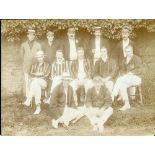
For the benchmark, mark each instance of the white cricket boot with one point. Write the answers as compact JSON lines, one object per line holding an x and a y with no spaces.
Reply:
{"x":38,"y":110}
{"x":125,"y":107}
{"x":54,"y":124}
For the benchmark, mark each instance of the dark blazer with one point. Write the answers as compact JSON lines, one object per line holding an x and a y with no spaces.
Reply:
{"x":134,"y":66}
{"x":103,"y":99}
{"x":87,"y":67}
{"x":58,"y":97}
{"x":58,"y":101}
{"x":119,"y":50}
{"x":28,"y":52}
{"x":64,"y":45}
{"x":104,"y":42}
{"x":105,"y":69}
{"x":50,"y":51}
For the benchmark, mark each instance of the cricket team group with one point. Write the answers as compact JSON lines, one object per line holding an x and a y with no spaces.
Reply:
{"x":79,"y":77}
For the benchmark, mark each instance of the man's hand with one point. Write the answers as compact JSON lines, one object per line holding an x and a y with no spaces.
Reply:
{"x":39,"y":73}
{"x":106,"y":79}
{"x":130,"y":73}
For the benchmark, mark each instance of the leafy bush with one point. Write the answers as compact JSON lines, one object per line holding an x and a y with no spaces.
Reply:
{"x":13,"y":29}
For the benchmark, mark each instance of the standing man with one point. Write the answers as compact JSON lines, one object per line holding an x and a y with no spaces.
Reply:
{"x":120,"y":47}
{"x":96,"y":43}
{"x":50,"y":46}
{"x":39,"y":77}
{"x":69,"y":45}
{"x":106,"y":68}
{"x":28,"y":51}
{"x":130,"y":76}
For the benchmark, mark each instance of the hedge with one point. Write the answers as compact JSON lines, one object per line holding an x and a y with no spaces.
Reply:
{"x":12,"y":30}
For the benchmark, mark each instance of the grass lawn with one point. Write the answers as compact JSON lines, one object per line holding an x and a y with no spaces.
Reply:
{"x":18,"y":120}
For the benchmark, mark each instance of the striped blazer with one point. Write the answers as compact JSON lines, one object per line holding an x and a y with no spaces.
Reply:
{"x":59,"y":68}
{"x":44,"y":68}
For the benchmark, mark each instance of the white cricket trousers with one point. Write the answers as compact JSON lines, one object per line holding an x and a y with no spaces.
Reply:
{"x":36,"y":85}
{"x":125,"y":82}
{"x":98,"y":116}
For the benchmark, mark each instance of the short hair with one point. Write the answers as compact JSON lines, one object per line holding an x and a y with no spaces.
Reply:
{"x":80,"y":48}
{"x":49,"y":33}
{"x":104,"y":47}
{"x":97,"y":79}
{"x":59,"y":50}
{"x":127,"y":27}
{"x":71,"y":30}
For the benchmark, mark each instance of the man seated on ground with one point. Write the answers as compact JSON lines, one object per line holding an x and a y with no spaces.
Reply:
{"x":62,"y":107}
{"x":107,"y":68}
{"x":81,"y":71}
{"x":39,"y":76}
{"x":130,"y":76}
{"x":58,"y":67}
{"x":98,"y":103}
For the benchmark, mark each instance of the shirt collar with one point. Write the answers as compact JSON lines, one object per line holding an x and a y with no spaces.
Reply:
{"x":105,"y":59}
{"x":60,"y":61}
{"x":126,"y":41}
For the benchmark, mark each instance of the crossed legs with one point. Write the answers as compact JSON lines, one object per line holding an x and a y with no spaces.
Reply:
{"x":121,"y":86}
{"x":36,"y":86}
{"x":98,"y":117}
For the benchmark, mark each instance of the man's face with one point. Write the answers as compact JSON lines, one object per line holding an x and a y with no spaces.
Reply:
{"x":59,"y":55}
{"x":97,"y":84}
{"x":40,"y":59}
{"x":125,"y":34}
{"x":50,"y":38}
{"x":71,"y":35}
{"x":80,"y":54}
{"x":129,"y":52}
{"x":31,"y":36}
{"x":97,"y":33}
{"x":65,"y":83}
{"x":104,"y":53}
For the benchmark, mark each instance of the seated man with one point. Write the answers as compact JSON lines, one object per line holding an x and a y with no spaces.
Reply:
{"x":39,"y":75}
{"x":107,"y":68}
{"x":58,"y":67}
{"x":62,"y":105}
{"x":98,"y":103}
{"x":130,"y":76}
{"x":81,"y":71}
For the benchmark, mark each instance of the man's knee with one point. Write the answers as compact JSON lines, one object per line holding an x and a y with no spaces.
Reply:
{"x":110,"y":110}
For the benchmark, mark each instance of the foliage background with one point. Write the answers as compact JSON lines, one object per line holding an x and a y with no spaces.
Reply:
{"x":13,"y":29}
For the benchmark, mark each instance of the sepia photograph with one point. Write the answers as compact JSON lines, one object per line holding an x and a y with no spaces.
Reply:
{"x":78,"y":77}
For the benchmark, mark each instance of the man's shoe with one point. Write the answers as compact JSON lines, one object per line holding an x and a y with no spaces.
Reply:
{"x":46,"y":100}
{"x":101,"y":128}
{"x":54,"y":124}
{"x":66,"y":123}
{"x":27,"y":103}
{"x":38,"y":110}
{"x":125,"y":107}
{"x":95,"y":128}
{"x":119,"y":98}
